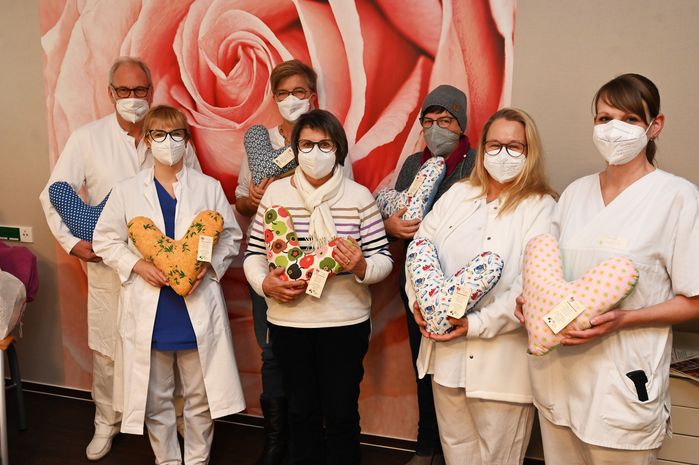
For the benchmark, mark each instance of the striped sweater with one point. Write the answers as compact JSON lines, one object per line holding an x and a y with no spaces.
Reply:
{"x":346,"y":299}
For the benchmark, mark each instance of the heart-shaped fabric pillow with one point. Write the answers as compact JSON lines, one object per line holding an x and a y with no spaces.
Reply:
{"x":598,"y":290}
{"x":389,"y":201}
{"x":434,"y":291}
{"x":261,"y":155}
{"x":283,"y":249}
{"x":176,"y":259}
{"x":80,"y":217}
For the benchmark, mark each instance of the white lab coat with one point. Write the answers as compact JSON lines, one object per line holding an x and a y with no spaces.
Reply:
{"x":97,"y":156}
{"x":138,"y":300}
{"x":490,"y":362}
{"x":654,"y":222}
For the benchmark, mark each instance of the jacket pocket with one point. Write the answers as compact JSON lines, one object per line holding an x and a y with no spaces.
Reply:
{"x":635,"y":392}
{"x":541,"y":378}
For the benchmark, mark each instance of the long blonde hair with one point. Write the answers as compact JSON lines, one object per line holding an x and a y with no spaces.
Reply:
{"x":532,"y":180}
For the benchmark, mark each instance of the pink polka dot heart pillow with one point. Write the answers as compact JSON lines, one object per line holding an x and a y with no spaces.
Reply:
{"x":549,"y":297}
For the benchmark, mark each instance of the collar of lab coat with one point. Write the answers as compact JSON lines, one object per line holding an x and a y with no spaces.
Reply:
{"x":140,"y":148}
{"x":149,"y":185}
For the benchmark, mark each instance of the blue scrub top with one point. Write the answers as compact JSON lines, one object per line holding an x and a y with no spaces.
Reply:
{"x":173,"y":328}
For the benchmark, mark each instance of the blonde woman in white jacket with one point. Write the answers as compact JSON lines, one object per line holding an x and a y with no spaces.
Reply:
{"x":479,"y":371}
{"x":158,"y":328}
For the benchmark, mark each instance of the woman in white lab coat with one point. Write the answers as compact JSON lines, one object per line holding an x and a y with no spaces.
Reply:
{"x":603,"y":395}
{"x":157,"y":328}
{"x":480,"y":382}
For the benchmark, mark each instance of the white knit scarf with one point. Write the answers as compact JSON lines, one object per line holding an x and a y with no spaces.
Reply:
{"x":318,"y":201}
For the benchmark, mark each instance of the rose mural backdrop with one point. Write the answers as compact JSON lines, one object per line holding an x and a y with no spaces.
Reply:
{"x":375,"y":60}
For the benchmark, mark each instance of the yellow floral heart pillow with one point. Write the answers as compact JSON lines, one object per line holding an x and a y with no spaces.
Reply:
{"x":176,"y":259}
{"x":545,"y":289}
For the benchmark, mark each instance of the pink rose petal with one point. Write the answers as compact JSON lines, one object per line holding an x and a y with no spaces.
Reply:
{"x":347,"y":20}
{"x":387,"y":67}
{"x":418,"y":20}
{"x":324,"y":41}
{"x":483,"y":48}
{"x":384,"y":140}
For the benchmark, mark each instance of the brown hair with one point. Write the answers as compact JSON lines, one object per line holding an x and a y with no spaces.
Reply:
{"x":290,"y":68}
{"x":635,"y":94}
{"x":325,"y":121}
{"x":166,"y":115}
{"x":532,"y":180}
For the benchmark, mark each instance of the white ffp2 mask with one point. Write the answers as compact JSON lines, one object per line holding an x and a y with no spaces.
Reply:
{"x":132,"y":109}
{"x":503,"y":167}
{"x":619,"y":142}
{"x":316,"y":163}
{"x":168,"y":152}
{"x":291,"y":108}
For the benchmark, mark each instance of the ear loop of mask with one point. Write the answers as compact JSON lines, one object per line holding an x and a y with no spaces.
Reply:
{"x":650,"y":139}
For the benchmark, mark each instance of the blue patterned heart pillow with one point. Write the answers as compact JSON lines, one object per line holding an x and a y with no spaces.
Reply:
{"x":435,"y":292}
{"x":418,"y":202}
{"x":76,"y":214}
{"x":261,"y":155}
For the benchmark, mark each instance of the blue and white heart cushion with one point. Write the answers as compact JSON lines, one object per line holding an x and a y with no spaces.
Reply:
{"x":261,"y":155}
{"x":418,"y":197}
{"x":435,"y":292}
{"x":80,"y":217}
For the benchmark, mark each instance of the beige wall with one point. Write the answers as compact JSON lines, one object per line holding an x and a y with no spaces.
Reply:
{"x":23,"y":174}
{"x":564,"y":50}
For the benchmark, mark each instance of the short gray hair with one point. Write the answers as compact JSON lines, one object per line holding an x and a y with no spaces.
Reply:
{"x":129,"y":60}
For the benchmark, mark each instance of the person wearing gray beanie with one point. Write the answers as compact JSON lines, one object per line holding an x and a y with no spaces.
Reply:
{"x":449,"y":98}
{"x":443,"y":118}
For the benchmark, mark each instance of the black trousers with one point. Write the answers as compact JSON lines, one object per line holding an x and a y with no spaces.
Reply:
{"x":272,"y":385}
{"x":427,"y":430}
{"x":322,"y":369}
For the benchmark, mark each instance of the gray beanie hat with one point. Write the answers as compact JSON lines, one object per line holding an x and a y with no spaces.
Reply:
{"x":451,"y":99}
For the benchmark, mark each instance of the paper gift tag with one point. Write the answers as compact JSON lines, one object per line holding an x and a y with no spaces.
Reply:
{"x":205,"y":248}
{"x":459,"y":302}
{"x":563,"y":313}
{"x":415,"y":185}
{"x":284,"y":158}
{"x":317,"y":282}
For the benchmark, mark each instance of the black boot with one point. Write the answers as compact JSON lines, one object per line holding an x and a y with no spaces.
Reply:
{"x":276,"y":430}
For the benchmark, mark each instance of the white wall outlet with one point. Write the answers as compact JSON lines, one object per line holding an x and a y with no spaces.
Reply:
{"x":26,"y":234}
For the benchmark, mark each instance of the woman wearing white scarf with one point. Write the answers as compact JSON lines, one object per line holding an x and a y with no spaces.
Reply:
{"x":320,"y":343}
{"x":318,"y":200}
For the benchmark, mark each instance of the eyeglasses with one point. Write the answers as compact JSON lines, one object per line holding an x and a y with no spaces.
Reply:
{"x":124,"y":92}
{"x":443,"y":122}
{"x":513,"y":149}
{"x":299,"y":92}
{"x":325,"y":145}
{"x":177,"y":135}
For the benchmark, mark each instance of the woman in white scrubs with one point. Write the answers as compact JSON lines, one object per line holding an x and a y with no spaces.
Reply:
{"x":603,"y":395}
{"x":159,"y":329}
{"x":480,"y":381}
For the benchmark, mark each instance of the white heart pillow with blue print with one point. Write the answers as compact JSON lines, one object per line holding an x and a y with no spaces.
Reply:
{"x":435,"y":292}
{"x":261,"y":155}
{"x":419,"y":201}
{"x":80,"y":217}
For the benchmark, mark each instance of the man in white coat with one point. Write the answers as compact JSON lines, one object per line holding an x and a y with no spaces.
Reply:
{"x":97,"y":156}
